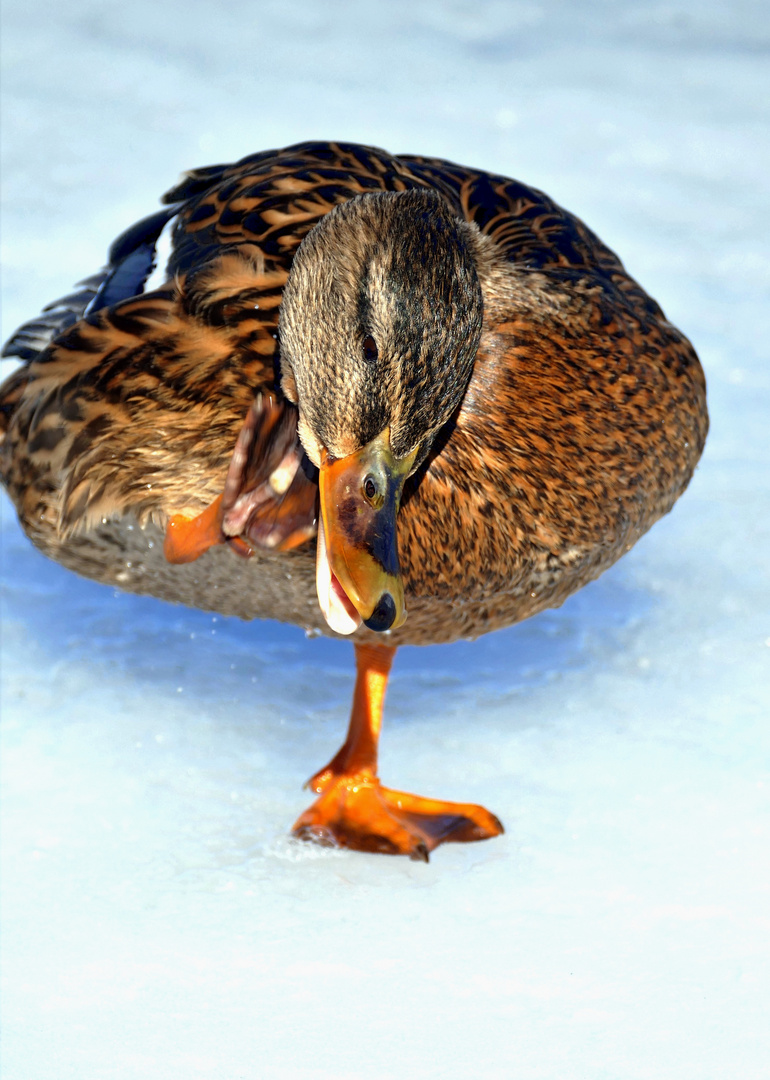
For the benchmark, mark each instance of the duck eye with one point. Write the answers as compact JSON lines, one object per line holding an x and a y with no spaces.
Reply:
{"x":370,"y":488}
{"x":370,"y":348}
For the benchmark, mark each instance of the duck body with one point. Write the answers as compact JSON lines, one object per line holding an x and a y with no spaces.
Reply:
{"x":579,"y":422}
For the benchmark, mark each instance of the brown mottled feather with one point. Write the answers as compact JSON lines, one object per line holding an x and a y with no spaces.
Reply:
{"x":582,"y":423}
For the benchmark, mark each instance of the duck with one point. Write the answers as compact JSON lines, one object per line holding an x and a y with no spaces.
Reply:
{"x":385,"y":397}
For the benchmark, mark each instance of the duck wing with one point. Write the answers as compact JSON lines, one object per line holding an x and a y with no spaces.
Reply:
{"x":135,"y":387}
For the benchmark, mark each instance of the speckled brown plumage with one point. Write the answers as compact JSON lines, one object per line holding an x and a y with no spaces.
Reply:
{"x":581,"y":425}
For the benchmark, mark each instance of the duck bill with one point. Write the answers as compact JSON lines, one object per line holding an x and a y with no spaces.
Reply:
{"x":358,"y":575}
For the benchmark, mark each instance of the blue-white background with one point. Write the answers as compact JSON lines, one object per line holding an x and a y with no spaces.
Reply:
{"x":157,"y":922}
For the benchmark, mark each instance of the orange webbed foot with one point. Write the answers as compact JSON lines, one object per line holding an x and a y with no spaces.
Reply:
{"x":356,"y":811}
{"x":269,"y":498}
{"x":187,"y":538}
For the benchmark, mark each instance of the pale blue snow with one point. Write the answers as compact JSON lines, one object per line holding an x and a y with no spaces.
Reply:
{"x":157,"y":922}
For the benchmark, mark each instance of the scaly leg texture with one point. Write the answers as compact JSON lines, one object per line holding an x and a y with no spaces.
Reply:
{"x":354,"y":810}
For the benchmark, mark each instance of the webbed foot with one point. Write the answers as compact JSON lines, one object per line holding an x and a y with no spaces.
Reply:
{"x":356,"y":811}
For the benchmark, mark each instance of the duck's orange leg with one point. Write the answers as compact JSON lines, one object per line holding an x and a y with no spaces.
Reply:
{"x":354,"y":810}
{"x":188,"y":538}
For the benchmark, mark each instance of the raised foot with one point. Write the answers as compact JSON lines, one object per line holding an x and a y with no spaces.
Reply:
{"x":358,"y":812}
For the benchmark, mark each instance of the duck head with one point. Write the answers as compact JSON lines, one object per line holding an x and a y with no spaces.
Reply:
{"x":379,"y":326}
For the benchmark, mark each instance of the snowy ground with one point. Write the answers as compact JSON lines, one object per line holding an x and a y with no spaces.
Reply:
{"x":157,"y":923}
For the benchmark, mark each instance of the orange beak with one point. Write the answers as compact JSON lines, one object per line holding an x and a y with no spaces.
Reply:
{"x":358,"y":575}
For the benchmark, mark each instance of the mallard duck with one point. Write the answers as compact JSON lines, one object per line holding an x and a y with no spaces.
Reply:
{"x":385,"y":396}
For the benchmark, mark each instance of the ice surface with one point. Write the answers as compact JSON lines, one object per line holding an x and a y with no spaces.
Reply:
{"x":157,"y":923}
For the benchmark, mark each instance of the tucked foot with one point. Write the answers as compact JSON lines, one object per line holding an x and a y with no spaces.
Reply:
{"x":356,"y":811}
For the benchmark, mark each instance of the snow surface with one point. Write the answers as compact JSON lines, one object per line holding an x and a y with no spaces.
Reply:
{"x":157,"y":922}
